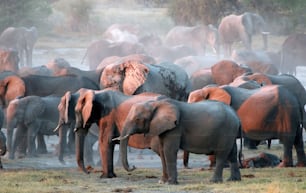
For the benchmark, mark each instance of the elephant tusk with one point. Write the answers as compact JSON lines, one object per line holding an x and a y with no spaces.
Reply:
{"x":120,"y":138}
{"x":75,"y":129}
{"x":57,"y":128}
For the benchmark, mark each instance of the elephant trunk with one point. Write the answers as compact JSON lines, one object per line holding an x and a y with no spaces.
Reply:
{"x":124,"y":139}
{"x":79,"y":145}
{"x":62,"y":133}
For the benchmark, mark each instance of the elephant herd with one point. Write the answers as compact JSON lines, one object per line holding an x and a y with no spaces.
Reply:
{"x":137,"y":94}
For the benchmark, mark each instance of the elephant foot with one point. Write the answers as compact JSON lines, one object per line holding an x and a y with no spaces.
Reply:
{"x":108,"y":175}
{"x":234,"y":178}
{"x":285,"y":164}
{"x":300,"y":164}
{"x":216,"y":180}
{"x":41,"y":151}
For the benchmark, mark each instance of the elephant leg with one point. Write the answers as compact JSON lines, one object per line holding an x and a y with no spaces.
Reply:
{"x":299,"y":147}
{"x":41,"y":144}
{"x":186,"y":159}
{"x":287,"y":160}
{"x":107,"y":155}
{"x":220,"y":162}
{"x":31,"y":135}
{"x":18,"y":139}
{"x":234,"y":167}
{"x":170,"y":149}
{"x":90,"y":140}
{"x":165,"y":176}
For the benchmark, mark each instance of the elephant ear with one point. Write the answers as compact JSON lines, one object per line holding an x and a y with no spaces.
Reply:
{"x":135,"y":75}
{"x":217,"y":94}
{"x":64,"y":105}
{"x":84,"y":105}
{"x":34,"y":107}
{"x":165,"y":117}
{"x":13,"y":87}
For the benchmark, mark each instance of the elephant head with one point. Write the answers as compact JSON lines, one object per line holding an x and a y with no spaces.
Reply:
{"x":11,"y":87}
{"x":126,"y":77}
{"x":83,"y":110}
{"x":150,"y":118}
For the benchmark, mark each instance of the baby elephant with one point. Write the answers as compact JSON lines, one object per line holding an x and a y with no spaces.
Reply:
{"x":208,"y":127}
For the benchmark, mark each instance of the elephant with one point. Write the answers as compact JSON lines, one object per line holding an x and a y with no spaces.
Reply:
{"x":15,"y":86}
{"x":192,"y":64}
{"x":59,"y":67}
{"x":234,"y":28}
{"x":293,"y":53}
{"x":66,"y":118}
{"x":269,"y":112}
{"x":108,"y":109}
{"x":122,"y":32}
{"x":259,"y":60}
{"x":143,"y":58}
{"x":101,"y":49}
{"x":21,"y":39}
{"x":221,"y":73}
{"x":9,"y":60}
{"x":194,"y":127}
{"x":196,"y":37}
{"x":290,"y":82}
{"x":30,"y":115}
{"x":133,"y":77}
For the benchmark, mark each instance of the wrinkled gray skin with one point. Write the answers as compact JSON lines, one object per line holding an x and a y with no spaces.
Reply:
{"x":132,"y":78}
{"x":66,"y":123}
{"x":179,"y":126}
{"x":235,"y":28}
{"x":2,"y":138}
{"x":22,"y":40}
{"x":34,"y":114}
{"x":101,"y":49}
{"x":197,"y":37}
{"x":293,"y":53}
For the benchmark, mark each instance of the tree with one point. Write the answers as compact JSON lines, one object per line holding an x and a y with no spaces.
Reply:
{"x":23,"y":13}
{"x":192,"y":12}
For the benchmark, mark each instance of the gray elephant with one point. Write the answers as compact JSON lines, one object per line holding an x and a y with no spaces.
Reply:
{"x":196,"y":37}
{"x":276,"y":114}
{"x":133,"y":77}
{"x":234,"y":28}
{"x":196,"y":127}
{"x":15,"y":86}
{"x":66,"y":122}
{"x":21,"y":39}
{"x":28,"y":115}
{"x":9,"y":60}
{"x":101,"y":49}
{"x":108,"y":109}
{"x":293,"y":53}
{"x":259,"y":61}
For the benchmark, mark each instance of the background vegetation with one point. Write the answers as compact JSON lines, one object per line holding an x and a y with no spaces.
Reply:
{"x":80,"y":15}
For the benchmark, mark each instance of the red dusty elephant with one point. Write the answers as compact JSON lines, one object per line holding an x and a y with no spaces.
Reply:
{"x":269,"y":112}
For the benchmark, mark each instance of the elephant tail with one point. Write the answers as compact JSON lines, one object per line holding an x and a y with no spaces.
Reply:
{"x":240,"y":154}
